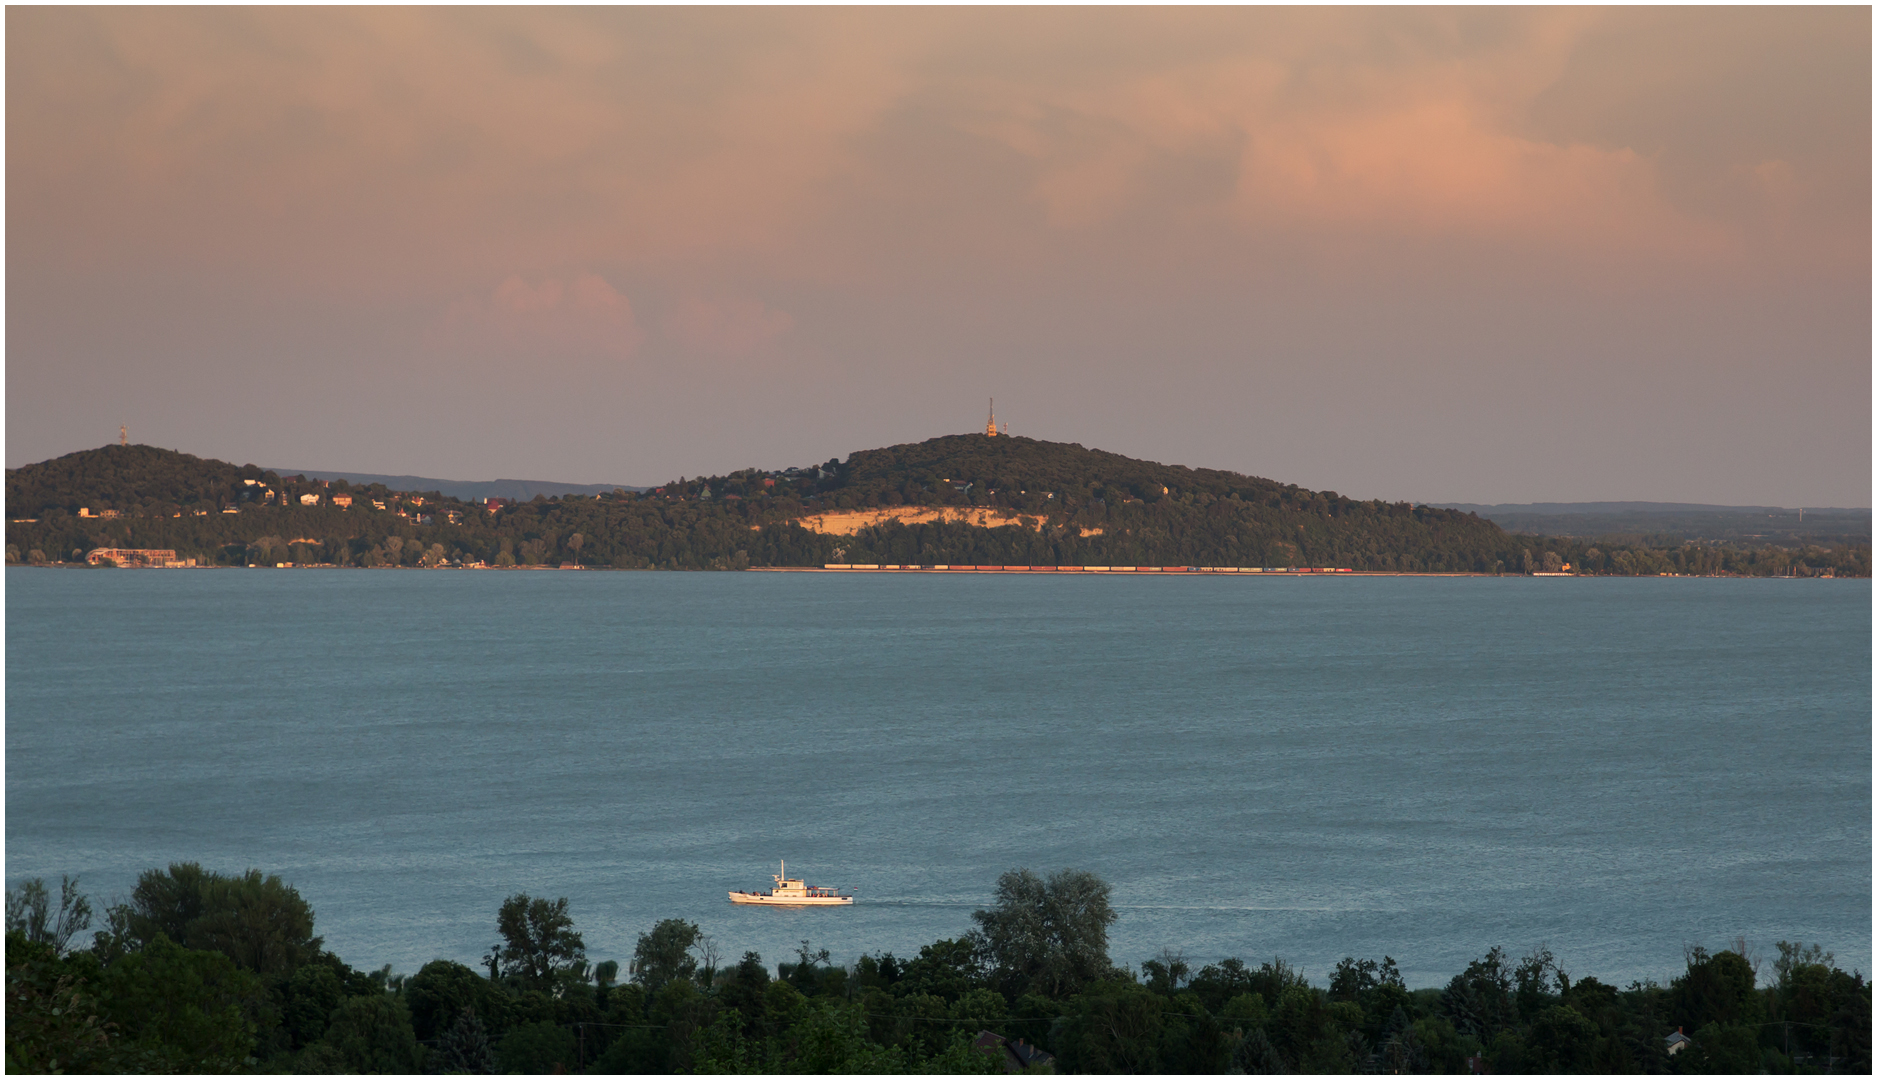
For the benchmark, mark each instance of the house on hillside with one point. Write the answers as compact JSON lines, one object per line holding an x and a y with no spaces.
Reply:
{"x":309,"y":499}
{"x":1016,"y":1054}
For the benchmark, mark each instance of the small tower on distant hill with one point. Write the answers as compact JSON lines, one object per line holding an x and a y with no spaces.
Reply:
{"x":991,"y":428}
{"x":123,"y":435}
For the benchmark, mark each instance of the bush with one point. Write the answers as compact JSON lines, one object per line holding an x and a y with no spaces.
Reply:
{"x":373,"y":1035}
{"x":538,"y":1048}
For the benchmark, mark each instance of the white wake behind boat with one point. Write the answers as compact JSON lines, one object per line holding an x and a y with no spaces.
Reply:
{"x":793,"y":892}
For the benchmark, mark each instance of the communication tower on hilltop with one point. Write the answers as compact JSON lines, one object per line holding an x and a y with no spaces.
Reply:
{"x":991,"y":428}
{"x":123,"y":435}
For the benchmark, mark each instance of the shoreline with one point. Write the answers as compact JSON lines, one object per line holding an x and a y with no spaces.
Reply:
{"x":1078,"y":571}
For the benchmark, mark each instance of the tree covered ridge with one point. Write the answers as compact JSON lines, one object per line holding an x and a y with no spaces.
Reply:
{"x":1077,"y":507}
{"x":1011,"y":466}
{"x":205,"y":972}
{"x":129,"y":479}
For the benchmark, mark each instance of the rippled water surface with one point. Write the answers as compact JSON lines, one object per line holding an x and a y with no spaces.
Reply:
{"x":1308,"y":768}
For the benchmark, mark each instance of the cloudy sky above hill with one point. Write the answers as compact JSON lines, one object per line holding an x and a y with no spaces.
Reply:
{"x":1477,"y":255}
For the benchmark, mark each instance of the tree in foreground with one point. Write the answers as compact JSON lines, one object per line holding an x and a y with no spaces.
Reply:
{"x":191,"y":1010}
{"x":373,"y":1035}
{"x":464,"y":1048}
{"x":53,"y":1020}
{"x":256,"y":920}
{"x":539,"y":942}
{"x":30,"y":912}
{"x":664,"y":955}
{"x":1046,"y":936}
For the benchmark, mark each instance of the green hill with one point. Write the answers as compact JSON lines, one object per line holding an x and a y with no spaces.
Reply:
{"x":1058,"y":504}
{"x":1095,"y":507}
{"x":129,"y":479}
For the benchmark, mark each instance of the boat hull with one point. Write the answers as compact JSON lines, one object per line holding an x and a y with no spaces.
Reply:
{"x":790,"y":901}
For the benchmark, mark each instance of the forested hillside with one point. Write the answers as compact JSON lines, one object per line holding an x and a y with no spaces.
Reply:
{"x":141,"y":480}
{"x":1062,"y":504}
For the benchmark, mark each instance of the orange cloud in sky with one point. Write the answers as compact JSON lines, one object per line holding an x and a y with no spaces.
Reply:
{"x":648,"y":138}
{"x":1322,"y":134}
{"x":1460,"y":196}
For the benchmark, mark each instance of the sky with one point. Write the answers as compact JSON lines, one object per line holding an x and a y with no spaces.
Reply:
{"x":1478,"y":255}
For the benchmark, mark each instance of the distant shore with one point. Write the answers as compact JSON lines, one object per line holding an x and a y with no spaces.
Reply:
{"x":1080,"y":571}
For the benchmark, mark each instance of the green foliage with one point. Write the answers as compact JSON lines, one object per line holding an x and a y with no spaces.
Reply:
{"x":1819,"y":1012}
{"x":30,"y":913}
{"x":1561,"y":1040}
{"x":682,"y":1010}
{"x":537,"y":1048}
{"x":945,"y":969}
{"x":1478,"y":1002}
{"x":140,"y":1002}
{"x":313,"y":993}
{"x":1113,"y":1026}
{"x":1046,"y":936}
{"x":440,"y":992}
{"x":1796,"y":956}
{"x":605,"y":973}
{"x":1722,"y":1048}
{"x":259,"y":922}
{"x":190,"y":1010}
{"x":1538,"y":982}
{"x":372,"y":1034}
{"x":1446,"y":1049}
{"x":1217,"y":984}
{"x":831,"y":1037}
{"x":724,"y":1047}
{"x":1305,"y":1030}
{"x":1375,"y":988}
{"x":464,"y":1048}
{"x":1244,"y":1012}
{"x":632,"y":1044}
{"x":664,"y":954}
{"x":53,"y":1021}
{"x":539,"y":944}
{"x":1716,"y":989}
{"x":1165,"y":973}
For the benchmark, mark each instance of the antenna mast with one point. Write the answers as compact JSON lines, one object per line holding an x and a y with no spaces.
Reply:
{"x":991,"y":428}
{"x":123,"y":435}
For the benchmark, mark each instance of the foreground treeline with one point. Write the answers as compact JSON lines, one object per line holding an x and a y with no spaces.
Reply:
{"x":1080,"y":507}
{"x":202,"y":972}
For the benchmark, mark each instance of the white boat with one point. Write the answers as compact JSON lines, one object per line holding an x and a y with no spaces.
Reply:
{"x":792,"y":892}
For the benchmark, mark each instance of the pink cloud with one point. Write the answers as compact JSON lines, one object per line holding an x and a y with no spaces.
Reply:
{"x":796,"y":146}
{"x":584,"y":316}
{"x":726,"y":327}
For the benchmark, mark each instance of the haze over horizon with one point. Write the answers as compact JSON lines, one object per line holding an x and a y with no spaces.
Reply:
{"x":1478,"y":255}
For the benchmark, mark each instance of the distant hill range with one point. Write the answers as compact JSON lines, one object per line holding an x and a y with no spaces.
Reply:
{"x":466,"y":490}
{"x":1662,"y":521}
{"x":956,"y":500}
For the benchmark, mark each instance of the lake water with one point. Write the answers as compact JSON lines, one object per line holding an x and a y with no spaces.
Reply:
{"x":1311,"y":768}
